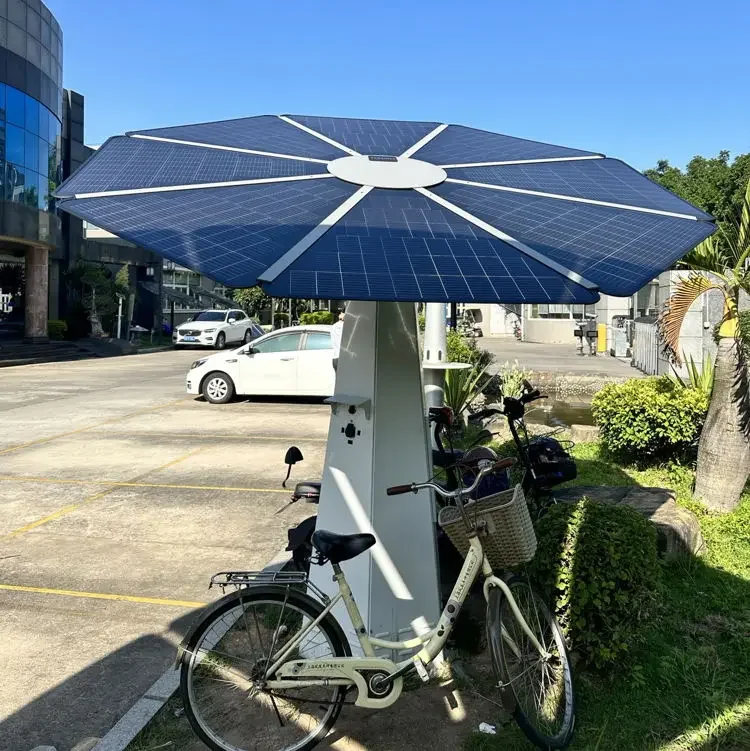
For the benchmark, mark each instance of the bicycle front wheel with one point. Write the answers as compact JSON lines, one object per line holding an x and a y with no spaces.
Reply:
{"x":539,"y":686}
{"x":221,"y":681}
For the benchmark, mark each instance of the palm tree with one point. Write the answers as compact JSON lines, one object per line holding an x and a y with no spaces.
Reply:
{"x":722,"y":262}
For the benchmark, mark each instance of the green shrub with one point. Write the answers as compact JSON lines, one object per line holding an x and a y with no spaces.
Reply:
{"x":461,"y":349}
{"x":56,"y":330}
{"x":598,"y":564}
{"x":649,"y":417}
{"x":323,"y":317}
{"x":511,"y":377}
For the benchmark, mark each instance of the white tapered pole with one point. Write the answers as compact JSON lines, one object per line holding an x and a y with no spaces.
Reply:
{"x":435,"y":353}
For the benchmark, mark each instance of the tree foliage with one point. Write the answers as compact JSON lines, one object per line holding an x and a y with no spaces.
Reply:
{"x":252,"y":300}
{"x":122,"y":280}
{"x":715,"y":184}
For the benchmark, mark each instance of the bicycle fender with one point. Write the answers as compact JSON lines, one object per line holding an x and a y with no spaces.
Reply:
{"x":494,"y":596}
{"x":183,"y":647}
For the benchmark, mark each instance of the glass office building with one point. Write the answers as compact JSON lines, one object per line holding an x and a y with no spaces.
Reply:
{"x":31,"y":156}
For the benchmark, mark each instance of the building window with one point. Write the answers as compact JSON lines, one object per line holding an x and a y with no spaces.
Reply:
{"x":15,"y":106}
{"x":562,"y":310}
{"x":14,"y":183}
{"x":32,"y":115}
{"x":15,"y":145}
{"x":30,"y":149}
{"x":32,"y":152}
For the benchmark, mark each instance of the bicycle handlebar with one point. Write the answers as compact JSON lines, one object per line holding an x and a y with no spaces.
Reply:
{"x":400,"y":489}
{"x":483,"y":414}
{"x":486,"y":467}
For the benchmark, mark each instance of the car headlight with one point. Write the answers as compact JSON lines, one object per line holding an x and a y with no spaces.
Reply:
{"x":198,"y":363}
{"x":208,"y":331}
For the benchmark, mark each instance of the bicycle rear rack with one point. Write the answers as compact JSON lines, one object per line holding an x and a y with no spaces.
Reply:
{"x":240,"y":579}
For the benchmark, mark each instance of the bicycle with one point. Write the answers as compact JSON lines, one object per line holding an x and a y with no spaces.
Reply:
{"x":284,"y":691}
{"x":546,"y":460}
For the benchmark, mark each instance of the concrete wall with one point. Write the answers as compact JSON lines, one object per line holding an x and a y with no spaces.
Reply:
{"x":549,"y":330}
{"x":497,"y":320}
{"x":608,"y":307}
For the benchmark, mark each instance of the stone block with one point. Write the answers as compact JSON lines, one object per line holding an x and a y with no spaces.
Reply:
{"x":678,"y":529}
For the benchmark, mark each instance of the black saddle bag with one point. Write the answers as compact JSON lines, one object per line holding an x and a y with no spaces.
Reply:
{"x":552,"y":463}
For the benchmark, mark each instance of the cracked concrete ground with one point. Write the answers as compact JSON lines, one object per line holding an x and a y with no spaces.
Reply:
{"x":119,"y":497}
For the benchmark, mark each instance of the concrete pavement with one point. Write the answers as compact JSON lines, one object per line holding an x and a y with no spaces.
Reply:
{"x":119,"y":497}
{"x":560,"y":359}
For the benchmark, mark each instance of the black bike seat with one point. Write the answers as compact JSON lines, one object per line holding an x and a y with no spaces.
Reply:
{"x":307,"y":488}
{"x":339,"y":548}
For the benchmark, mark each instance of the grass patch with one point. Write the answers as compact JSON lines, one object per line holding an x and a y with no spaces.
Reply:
{"x":169,"y":730}
{"x":688,"y":686}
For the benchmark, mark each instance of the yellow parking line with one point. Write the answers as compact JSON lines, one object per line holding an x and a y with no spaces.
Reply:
{"x":237,"y":436}
{"x":103,"y":596}
{"x":40,"y":441}
{"x":56,"y":515}
{"x":124,"y":484}
{"x":90,"y":499}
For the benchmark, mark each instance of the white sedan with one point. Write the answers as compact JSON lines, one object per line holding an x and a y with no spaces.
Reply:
{"x":296,"y":361}
{"x":216,"y":328}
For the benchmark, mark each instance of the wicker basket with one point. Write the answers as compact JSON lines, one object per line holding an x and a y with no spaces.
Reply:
{"x":507,"y":535}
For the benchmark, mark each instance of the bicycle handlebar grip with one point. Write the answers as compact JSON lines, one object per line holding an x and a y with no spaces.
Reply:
{"x":504,"y":463}
{"x":399,"y":489}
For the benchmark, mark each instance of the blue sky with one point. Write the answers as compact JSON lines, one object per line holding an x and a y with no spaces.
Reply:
{"x":640,"y":80}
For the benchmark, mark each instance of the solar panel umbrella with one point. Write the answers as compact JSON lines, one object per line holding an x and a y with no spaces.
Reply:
{"x":316,"y":207}
{"x":385,"y":213}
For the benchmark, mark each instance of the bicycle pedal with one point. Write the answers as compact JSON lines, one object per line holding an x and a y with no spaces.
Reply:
{"x":421,"y":670}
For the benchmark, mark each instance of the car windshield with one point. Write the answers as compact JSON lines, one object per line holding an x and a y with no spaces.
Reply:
{"x":210,"y":315}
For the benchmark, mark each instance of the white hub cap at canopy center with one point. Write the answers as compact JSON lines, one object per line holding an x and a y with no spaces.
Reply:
{"x":387,"y":171}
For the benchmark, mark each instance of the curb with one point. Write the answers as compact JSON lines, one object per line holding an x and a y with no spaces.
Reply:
{"x":143,"y":711}
{"x":149,"y":350}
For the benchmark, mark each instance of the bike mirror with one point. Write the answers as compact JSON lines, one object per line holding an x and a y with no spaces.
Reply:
{"x":293,"y":455}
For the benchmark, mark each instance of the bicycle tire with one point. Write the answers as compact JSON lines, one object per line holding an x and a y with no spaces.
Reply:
{"x":298,"y":600}
{"x":499,"y":608}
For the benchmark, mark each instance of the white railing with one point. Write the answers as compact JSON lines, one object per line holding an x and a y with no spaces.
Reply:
{"x":5,"y":298}
{"x":645,"y":347}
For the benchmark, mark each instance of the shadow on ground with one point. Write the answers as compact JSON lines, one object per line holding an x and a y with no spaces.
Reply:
{"x":687,"y":687}
{"x":93,"y":700}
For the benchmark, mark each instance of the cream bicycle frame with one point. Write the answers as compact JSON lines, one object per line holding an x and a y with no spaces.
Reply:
{"x":431,"y":643}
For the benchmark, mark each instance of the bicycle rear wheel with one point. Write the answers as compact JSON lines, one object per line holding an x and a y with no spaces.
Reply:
{"x":538,"y":690}
{"x":225,"y":661}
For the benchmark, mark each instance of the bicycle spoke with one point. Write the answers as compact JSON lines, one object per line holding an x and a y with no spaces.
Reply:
{"x":276,"y":709}
{"x":226,"y":678}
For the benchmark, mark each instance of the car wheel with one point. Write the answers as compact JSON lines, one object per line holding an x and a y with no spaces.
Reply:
{"x":221,"y":341}
{"x":248,"y":337}
{"x":218,"y":388}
